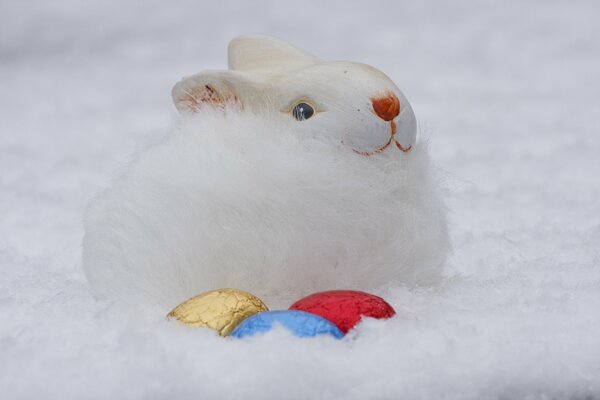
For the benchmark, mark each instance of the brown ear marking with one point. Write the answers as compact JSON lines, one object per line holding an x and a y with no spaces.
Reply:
{"x":195,"y":97}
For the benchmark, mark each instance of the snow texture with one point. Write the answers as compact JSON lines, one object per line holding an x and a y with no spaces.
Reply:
{"x":507,"y":94}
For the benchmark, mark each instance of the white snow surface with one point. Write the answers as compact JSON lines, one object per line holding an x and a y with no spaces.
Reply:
{"x":507,"y":94}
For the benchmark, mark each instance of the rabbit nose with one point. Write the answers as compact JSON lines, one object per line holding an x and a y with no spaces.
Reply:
{"x":387,"y":107}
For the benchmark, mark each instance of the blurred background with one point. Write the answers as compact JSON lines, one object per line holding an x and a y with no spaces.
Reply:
{"x":507,"y":94}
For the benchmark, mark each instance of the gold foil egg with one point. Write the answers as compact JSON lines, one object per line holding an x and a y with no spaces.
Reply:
{"x":221,"y":309}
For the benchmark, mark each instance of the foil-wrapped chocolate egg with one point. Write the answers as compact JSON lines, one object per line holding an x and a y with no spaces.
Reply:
{"x":300,"y":323}
{"x":221,"y":310}
{"x":345,"y":308}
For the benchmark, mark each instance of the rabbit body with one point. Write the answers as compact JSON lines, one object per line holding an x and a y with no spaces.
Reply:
{"x":248,"y":197}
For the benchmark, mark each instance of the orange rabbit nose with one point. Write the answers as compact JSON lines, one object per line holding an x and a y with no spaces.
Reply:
{"x":386,"y":107}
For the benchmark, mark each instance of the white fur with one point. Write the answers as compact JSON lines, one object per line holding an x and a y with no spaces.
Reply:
{"x":236,"y":199}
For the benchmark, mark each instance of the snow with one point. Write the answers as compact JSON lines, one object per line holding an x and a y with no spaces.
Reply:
{"x":507,"y":93}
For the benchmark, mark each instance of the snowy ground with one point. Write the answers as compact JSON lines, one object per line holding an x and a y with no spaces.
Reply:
{"x":509,"y":93}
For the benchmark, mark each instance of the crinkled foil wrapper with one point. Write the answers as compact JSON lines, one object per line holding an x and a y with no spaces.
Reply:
{"x":221,"y":309}
{"x":345,"y":308}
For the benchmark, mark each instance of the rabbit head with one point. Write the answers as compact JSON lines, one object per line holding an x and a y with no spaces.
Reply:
{"x":344,"y":102}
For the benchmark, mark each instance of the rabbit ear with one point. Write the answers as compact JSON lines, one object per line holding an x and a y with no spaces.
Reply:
{"x":213,"y":88}
{"x":267,"y":55}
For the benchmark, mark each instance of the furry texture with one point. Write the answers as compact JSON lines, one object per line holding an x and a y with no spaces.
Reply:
{"x":239,"y":200}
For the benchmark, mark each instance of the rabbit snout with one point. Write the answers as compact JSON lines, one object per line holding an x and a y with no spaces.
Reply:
{"x":386,"y":107}
{"x":381,"y":149}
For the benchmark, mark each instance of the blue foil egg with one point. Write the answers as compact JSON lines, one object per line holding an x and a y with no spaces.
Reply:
{"x":300,"y":323}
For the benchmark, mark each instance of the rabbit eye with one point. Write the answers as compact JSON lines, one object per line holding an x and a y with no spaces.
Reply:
{"x":303,"y":111}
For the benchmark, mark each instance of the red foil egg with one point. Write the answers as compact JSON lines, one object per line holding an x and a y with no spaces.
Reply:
{"x":345,"y":308}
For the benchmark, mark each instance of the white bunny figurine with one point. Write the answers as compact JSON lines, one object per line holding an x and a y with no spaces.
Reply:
{"x":286,"y":175}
